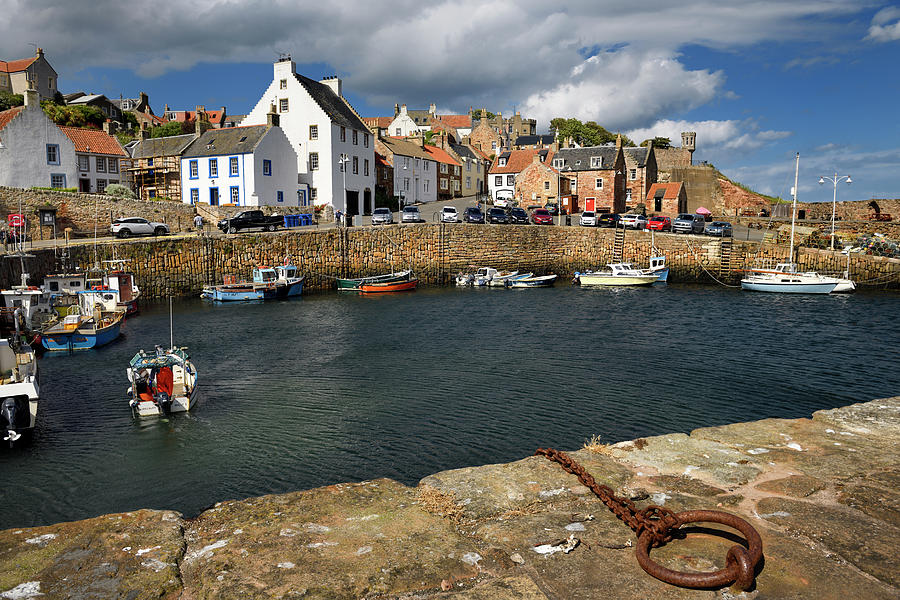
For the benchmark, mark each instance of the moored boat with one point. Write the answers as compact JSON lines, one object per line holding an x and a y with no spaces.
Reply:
{"x":349,"y":285}
{"x":95,"y":321}
{"x":389,"y":286}
{"x":19,"y":387}
{"x":616,"y":274}
{"x":268,"y":283}
{"x":532,"y":281}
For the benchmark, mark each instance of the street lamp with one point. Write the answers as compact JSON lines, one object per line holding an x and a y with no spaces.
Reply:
{"x":835,"y":180}
{"x":343,"y":161}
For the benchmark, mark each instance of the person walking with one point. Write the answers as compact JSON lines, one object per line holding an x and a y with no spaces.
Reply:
{"x":198,"y":223}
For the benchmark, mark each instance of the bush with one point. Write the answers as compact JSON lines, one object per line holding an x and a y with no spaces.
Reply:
{"x":118,"y":190}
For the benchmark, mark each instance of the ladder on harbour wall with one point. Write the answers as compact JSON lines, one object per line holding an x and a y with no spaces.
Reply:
{"x":619,"y":245}
{"x":725,"y":248}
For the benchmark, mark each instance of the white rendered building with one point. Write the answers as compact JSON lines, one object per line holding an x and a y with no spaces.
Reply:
{"x":323,"y":128}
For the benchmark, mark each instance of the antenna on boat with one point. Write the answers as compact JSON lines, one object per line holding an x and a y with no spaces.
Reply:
{"x":794,"y":205}
{"x":171,"y":326}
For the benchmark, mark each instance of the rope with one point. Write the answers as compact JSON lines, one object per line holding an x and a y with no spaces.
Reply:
{"x":707,"y":271}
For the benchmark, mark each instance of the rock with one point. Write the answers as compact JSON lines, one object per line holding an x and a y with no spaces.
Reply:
{"x":798,"y":486}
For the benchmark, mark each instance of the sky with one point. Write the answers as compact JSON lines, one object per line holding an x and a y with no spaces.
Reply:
{"x":759,"y":81}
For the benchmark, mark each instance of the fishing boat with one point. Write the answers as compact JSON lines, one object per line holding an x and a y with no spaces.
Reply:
{"x":379,"y":287}
{"x":19,"y":386}
{"x":162,"y":382}
{"x":532,"y":281}
{"x":269,"y":283}
{"x":486,"y":276}
{"x":124,"y":282}
{"x":95,"y":321}
{"x":786,"y":278}
{"x":616,"y":274}
{"x":350,"y":285}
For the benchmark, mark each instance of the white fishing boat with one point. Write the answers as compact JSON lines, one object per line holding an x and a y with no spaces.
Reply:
{"x":617,"y":274}
{"x":162,"y":382}
{"x":487,"y":276}
{"x":532,"y":281}
{"x":19,"y":386}
{"x":786,"y":278}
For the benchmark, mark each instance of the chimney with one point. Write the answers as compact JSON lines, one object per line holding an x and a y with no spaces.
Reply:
{"x":144,"y":104}
{"x":272,"y":118}
{"x":432,"y":108}
{"x":31,"y":96}
{"x":618,"y":141}
{"x":110,"y":127}
{"x":536,"y":158}
{"x":396,"y":109}
{"x":284,"y":67}
{"x":377,"y":132}
{"x":40,"y":52}
{"x":334,"y":83}
{"x":145,"y":134}
{"x":201,"y":121}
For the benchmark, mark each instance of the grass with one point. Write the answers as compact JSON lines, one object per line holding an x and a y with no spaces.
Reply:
{"x":439,"y":503}
{"x":595,"y":445}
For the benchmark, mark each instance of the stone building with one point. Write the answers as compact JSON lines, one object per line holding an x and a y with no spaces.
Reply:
{"x":16,"y":76}
{"x":640,"y":173}
{"x":539,"y":183}
{"x":486,"y":138}
{"x":98,"y":157}
{"x":668,"y":159}
{"x":599,"y":173}
{"x":667,"y":199}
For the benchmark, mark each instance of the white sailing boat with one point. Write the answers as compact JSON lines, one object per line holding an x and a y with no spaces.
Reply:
{"x":785,"y":278}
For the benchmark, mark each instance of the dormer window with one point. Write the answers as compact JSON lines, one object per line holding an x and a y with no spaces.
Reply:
{"x":559,"y":162}
{"x":596,"y":162}
{"x":501,"y":162}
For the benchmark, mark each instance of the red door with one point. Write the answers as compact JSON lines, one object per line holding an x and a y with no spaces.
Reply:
{"x":589,"y":204}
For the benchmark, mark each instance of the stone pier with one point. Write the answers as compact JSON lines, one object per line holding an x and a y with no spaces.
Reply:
{"x":824,"y":494}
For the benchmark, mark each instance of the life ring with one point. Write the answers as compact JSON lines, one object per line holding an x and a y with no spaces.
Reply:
{"x":98,"y":288}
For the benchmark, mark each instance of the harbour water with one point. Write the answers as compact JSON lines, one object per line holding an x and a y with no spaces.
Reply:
{"x":328,"y":388}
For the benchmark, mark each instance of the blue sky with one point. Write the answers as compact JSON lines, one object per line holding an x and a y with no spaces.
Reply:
{"x":757,"y":81}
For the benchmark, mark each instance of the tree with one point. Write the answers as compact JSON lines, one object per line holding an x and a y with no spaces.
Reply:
{"x":480,"y":114}
{"x":74,"y":116}
{"x":584,"y":134}
{"x":658,"y":142}
{"x":119,"y":190}
{"x":9,"y":100}
{"x":169,"y":129}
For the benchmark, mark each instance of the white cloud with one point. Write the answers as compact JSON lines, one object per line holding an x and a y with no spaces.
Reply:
{"x":885,"y":25}
{"x":714,"y":138}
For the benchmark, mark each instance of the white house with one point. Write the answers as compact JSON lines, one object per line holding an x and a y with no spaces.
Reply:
{"x":415,"y":171}
{"x":326,"y":135}
{"x":244,"y":166}
{"x":34,"y":152}
{"x":98,"y":157}
{"x":403,"y":125}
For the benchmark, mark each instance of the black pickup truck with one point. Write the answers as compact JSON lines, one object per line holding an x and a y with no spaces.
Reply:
{"x":250,"y":219}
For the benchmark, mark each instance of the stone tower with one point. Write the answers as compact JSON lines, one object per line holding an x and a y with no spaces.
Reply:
{"x":689,"y":143}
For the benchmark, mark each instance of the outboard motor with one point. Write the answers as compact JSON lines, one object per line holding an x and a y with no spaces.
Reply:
{"x":164,"y":401}
{"x":14,"y":416}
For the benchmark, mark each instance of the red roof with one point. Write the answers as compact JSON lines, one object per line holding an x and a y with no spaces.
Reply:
{"x":519,"y":160}
{"x":14,"y":66}
{"x":382,"y":122}
{"x":381,"y":160}
{"x":440,"y":155}
{"x":671,"y":190}
{"x":7,"y":115}
{"x":93,"y":141}
{"x":456,"y":121}
{"x":189,"y":116}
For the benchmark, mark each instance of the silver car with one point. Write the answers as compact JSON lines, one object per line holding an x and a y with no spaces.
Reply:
{"x":410,"y":215}
{"x":382,"y":216}
{"x":688,"y":223}
{"x":449,"y":214}
{"x":130,"y":226}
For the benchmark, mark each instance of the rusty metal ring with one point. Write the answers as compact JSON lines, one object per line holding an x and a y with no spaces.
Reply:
{"x":740,"y":563}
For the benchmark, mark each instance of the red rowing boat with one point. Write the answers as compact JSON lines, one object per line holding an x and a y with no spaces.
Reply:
{"x":390,"y":286}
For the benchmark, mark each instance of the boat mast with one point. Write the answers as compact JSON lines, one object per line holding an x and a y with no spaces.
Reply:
{"x":794,"y":205}
{"x":171,"y":328}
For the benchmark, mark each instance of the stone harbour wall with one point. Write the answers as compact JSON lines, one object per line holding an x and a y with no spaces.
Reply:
{"x":821,"y":492}
{"x":437,"y":252}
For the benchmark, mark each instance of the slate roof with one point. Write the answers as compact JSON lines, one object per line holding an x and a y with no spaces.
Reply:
{"x":440,"y":155}
{"x":531,"y":140}
{"x":93,"y":141}
{"x":334,"y":106}
{"x":86,"y":99}
{"x":174,"y":145}
{"x":638,"y":155}
{"x":228,"y":140}
{"x":464,"y":151}
{"x":518,"y":160}
{"x":579,"y":159}
{"x":405,"y":148}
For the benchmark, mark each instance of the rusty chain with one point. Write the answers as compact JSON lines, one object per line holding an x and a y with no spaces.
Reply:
{"x":655,"y":525}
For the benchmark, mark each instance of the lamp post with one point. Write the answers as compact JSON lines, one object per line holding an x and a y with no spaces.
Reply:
{"x":834,"y":180}
{"x":343,"y":162}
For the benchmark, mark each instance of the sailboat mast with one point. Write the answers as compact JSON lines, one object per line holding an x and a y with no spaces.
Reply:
{"x":171,"y":325}
{"x":794,"y":205}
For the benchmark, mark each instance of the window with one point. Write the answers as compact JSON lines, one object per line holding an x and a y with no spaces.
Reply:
{"x":53,"y":154}
{"x":558,"y":162}
{"x":366,"y":140}
{"x":83,"y":163}
{"x":456,"y":170}
{"x":632,"y":174}
{"x":112,"y":181}
{"x":596,"y":162}
{"x":149,"y":162}
{"x":101,"y":185}
{"x":233,"y":166}
{"x":493,"y":145}
{"x":235,"y":195}
{"x":355,"y":137}
{"x":468,"y":166}
{"x":355,"y":164}
{"x":283,"y":84}
{"x":313,"y":161}
{"x":455,"y":186}
{"x":193,"y":169}
{"x":113,"y":164}
{"x":546,"y":185}
{"x":213,"y":167}
{"x":498,"y":180}
{"x":443,"y":183}
{"x":510,"y":180}
{"x":313,"y":132}
{"x":279,"y":196}
{"x":598,"y":184}
{"x":343,"y":134}
{"x":406,"y":183}
{"x":195,"y":195}
{"x":501,"y":162}
{"x":426,"y":186}
{"x":366,"y":167}
{"x":397,"y":132}
{"x":101,"y":164}
{"x":426,"y":166}
{"x":267,"y":167}
{"x":151,"y":193}
{"x":313,"y":195}
{"x":444,"y":168}
{"x":283,"y":105}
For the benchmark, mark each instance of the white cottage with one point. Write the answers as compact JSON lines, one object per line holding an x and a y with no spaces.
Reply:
{"x":98,"y":158}
{"x":34,"y":152}
{"x":242,"y":166}
{"x":326,"y":135}
{"x":403,"y":125}
{"x":415,"y":170}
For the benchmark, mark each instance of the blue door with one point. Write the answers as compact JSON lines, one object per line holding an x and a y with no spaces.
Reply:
{"x":213,"y":196}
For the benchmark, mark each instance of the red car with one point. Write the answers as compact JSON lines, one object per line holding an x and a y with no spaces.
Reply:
{"x":541,"y":216}
{"x":660,"y":223}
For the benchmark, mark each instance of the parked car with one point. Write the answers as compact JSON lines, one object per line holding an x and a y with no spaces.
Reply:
{"x":382,"y":216}
{"x":518,"y":216}
{"x":410,"y":214}
{"x":659,"y":223}
{"x":496,"y":214}
{"x":688,"y":223}
{"x":608,"y":220}
{"x":503,"y":201}
{"x":449,"y":214}
{"x":588,"y":219}
{"x":552,"y":208}
{"x":541,"y":216}
{"x":473,"y":214}
{"x":719,"y":228}
{"x":250,"y":219}
{"x":633,"y":221}
{"x":130,"y":226}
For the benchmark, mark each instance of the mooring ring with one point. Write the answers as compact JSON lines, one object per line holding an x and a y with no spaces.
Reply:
{"x":740,"y":563}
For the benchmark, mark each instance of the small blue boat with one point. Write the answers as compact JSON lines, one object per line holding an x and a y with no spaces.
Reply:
{"x":269,"y":283}
{"x":78,"y":332}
